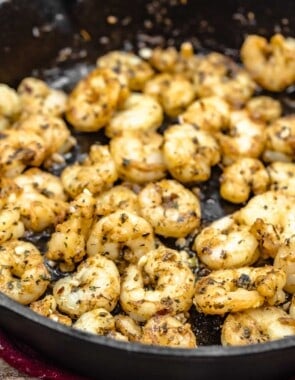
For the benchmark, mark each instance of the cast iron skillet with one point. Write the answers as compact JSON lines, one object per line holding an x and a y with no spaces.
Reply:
{"x":59,"y":41}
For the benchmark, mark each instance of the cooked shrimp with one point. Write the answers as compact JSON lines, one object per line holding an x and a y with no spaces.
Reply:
{"x":271,"y":64}
{"x":165,"y":330}
{"x":128,"y":327}
{"x":38,"y":98}
{"x":127,"y":64}
{"x":138,"y":156}
{"x":243,"y":177}
{"x":96,"y":173}
{"x":48,"y":308}
{"x":292,"y":307}
{"x":224,"y":245}
{"x":10,"y":106}
{"x":121,"y":235}
{"x":23,"y":274}
{"x":119,"y":197}
{"x":164,"y":60}
{"x":243,"y":137}
{"x":173,"y":92}
{"x":285,"y":260}
{"x":264,"y":108}
{"x":11,"y":225}
{"x":95,"y":98}
{"x":95,"y":284}
{"x":282,"y":176}
{"x":256,"y":326}
{"x":97,"y":321}
{"x":280,"y":140}
{"x":138,"y":113}
{"x":268,"y":237}
{"x":171,"y":284}
{"x":210,"y":114}
{"x":67,"y":244}
{"x":170,"y":208}
{"x":189,"y":153}
{"x":233,"y":290}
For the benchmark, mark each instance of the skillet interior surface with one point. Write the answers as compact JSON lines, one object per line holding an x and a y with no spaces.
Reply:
{"x":62,"y":40}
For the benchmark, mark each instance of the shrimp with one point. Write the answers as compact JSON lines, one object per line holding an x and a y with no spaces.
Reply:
{"x":264,"y":108}
{"x":170,"y":208}
{"x":171,"y":283}
{"x":285,"y":260}
{"x":129,"y":65}
{"x":95,"y":284}
{"x":243,"y":137}
{"x":48,"y":308}
{"x":23,"y":274}
{"x":234,"y":290}
{"x":282,"y":177}
{"x":138,"y":156}
{"x":211,"y":114}
{"x":139,"y":112}
{"x":189,"y":153}
{"x":128,"y":327}
{"x":67,"y":244}
{"x":256,"y":326}
{"x":224,"y":245}
{"x":94,"y":100}
{"x":38,"y":98}
{"x":97,"y":173}
{"x":173,"y":92}
{"x":270,"y":63}
{"x":10,"y":106}
{"x":165,"y":330}
{"x":243,"y":177}
{"x":119,"y":197}
{"x":121,"y":235}
{"x":280,"y":140}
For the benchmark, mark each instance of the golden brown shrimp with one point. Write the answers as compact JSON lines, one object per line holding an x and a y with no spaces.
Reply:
{"x":285,"y":260}
{"x":10,"y":106}
{"x":264,"y":108}
{"x":48,"y":308}
{"x":282,"y":176}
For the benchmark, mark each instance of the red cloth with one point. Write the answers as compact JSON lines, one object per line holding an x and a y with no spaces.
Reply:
{"x":23,"y":358}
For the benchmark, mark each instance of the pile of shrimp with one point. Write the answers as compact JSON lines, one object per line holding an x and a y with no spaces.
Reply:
{"x":109,"y":216}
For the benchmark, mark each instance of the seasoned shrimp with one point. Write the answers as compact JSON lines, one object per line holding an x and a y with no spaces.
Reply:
{"x":170,"y":208}
{"x":138,"y":156}
{"x":271,"y":64}
{"x":95,"y":284}
{"x":171,"y":283}
{"x":48,"y":308}
{"x":129,"y":65}
{"x":243,"y":137}
{"x":189,"y":153}
{"x":264,"y":108}
{"x":243,"y":177}
{"x":285,"y":260}
{"x":128,"y":327}
{"x":139,"y":112}
{"x":23,"y":274}
{"x":282,"y":177}
{"x":210,"y":114}
{"x":280,"y":140}
{"x":121,"y":235}
{"x":165,"y":330}
{"x":256,"y":326}
{"x":119,"y":197}
{"x":173,"y":92}
{"x":96,"y":173}
{"x":224,"y":245}
{"x":38,"y":98}
{"x":95,"y":98}
{"x":233,"y":290}
{"x":11,"y":225}
{"x":67,"y":244}
{"x":10,"y":106}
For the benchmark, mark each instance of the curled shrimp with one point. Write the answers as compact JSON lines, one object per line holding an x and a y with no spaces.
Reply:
{"x":95,"y":98}
{"x":189,"y":153}
{"x":138,"y":156}
{"x":95,"y":284}
{"x":171,"y":279}
{"x":224,"y":245}
{"x":128,"y":327}
{"x":23,"y":274}
{"x":256,"y":326}
{"x":139,"y":112}
{"x":96,"y":173}
{"x":127,"y":64}
{"x":243,"y":177}
{"x":282,"y":176}
{"x":170,"y":208}
{"x":121,"y":234}
{"x":285,"y":260}
{"x":264,"y":108}
{"x":173,"y":92}
{"x":233,"y":290}
{"x":48,"y":308}
{"x":10,"y":106}
{"x":270,"y":63}
{"x":166,"y":330}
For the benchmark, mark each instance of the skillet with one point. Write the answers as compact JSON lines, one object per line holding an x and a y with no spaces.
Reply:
{"x":58,"y":41}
